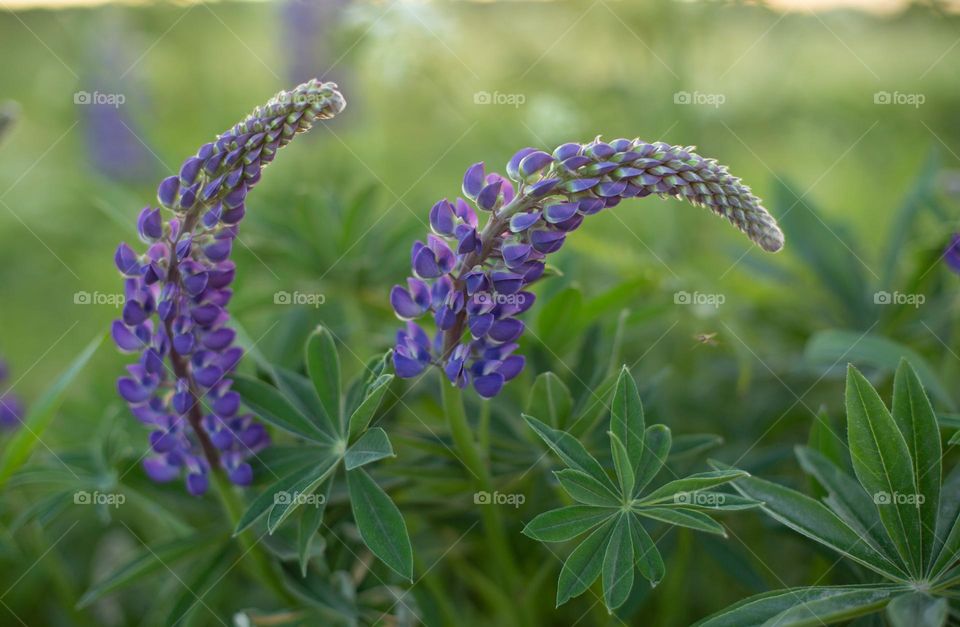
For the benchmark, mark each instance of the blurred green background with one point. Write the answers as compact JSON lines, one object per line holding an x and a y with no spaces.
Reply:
{"x":844,"y":121}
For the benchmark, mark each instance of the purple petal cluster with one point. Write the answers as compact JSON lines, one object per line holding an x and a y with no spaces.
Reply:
{"x":177,"y":292}
{"x":952,"y":254}
{"x":473,"y":282}
{"x":11,"y":409}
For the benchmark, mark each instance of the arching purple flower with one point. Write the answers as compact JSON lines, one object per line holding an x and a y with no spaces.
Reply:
{"x":477,"y":278}
{"x":175,"y":314}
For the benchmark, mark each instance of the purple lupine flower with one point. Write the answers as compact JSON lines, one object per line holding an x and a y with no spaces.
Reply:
{"x":952,"y":254}
{"x":474,"y":282}
{"x":177,"y":292}
{"x":11,"y":409}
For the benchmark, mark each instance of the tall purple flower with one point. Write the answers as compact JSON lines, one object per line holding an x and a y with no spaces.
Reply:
{"x":11,"y":409}
{"x":175,"y":315}
{"x":473,"y":282}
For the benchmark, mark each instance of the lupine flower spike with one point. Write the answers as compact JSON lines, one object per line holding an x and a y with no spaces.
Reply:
{"x":11,"y":409}
{"x":472,"y":281}
{"x":177,"y":293}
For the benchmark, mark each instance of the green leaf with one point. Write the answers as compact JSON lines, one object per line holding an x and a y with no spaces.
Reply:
{"x":323,"y":365}
{"x":683,"y":518}
{"x":918,"y":610}
{"x":372,"y":445}
{"x":881,"y":461}
{"x":626,"y":417}
{"x":360,"y":419}
{"x":584,"y":564}
{"x":266,"y":499}
{"x":947,"y":539}
{"x":299,"y":389}
{"x":656,"y":449}
{"x":693,"y":445}
{"x":41,"y":413}
{"x":360,"y":386}
{"x":585,"y":489}
{"x":848,"y":500}
{"x":918,"y":424}
{"x":645,"y":553}
{"x":569,"y":449}
{"x":828,"y":348}
{"x":311,"y":518}
{"x":550,"y":397}
{"x":693,"y":483}
{"x":148,"y":560}
{"x":270,"y":405}
{"x":380,"y":524}
{"x":813,"y":520}
{"x":566,"y":523}
{"x":795,"y":607}
{"x":618,"y":564}
{"x":707,"y":501}
{"x":288,"y":501}
{"x":621,"y":462}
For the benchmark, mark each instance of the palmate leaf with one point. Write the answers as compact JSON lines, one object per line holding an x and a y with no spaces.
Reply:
{"x":584,"y":564}
{"x":656,"y":448}
{"x":272,"y":407}
{"x":323,"y":365}
{"x":803,"y":607}
{"x":585,"y":489}
{"x":311,"y":519}
{"x":299,"y":389}
{"x":361,"y":417}
{"x":618,"y":564}
{"x":693,"y":483}
{"x":569,"y":449}
{"x":287,"y":502}
{"x":566,"y":523}
{"x":268,"y":498}
{"x":370,"y":447}
{"x":626,"y":419}
{"x":645,"y":554}
{"x":882,"y":463}
{"x":683,"y":518}
{"x":380,"y":524}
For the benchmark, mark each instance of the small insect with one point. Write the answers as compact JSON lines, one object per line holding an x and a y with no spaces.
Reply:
{"x":708,"y":339}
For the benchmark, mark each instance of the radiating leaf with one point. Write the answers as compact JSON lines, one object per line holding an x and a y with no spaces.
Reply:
{"x":683,"y":518}
{"x":693,"y":483}
{"x":566,"y":523}
{"x":626,"y":417}
{"x":918,"y":424}
{"x":265,"y":501}
{"x":41,"y":413}
{"x":645,"y":553}
{"x":380,"y":523}
{"x":360,"y":419}
{"x":915,"y":609}
{"x":323,"y":365}
{"x":551,"y":399}
{"x":270,"y":405}
{"x":371,"y":446}
{"x":656,"y":448}
{"x":618,"y":564}
{"x":299,"y":389}
{"x":621,"y":462}
{"x":569,"y":449}
{"x":584,"y":564}
{"x":882,"y":463}
{"x":300,"y":493}
{"x":585,"y":489}
{"x":311,"y":519}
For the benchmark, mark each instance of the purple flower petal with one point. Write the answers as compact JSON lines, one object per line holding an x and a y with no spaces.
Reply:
{"x":473,"y":180}
{"x":560,"y":211}
{"x":404,"y":305}
{"x":489,"y":385}
{"x":125,"y":339}
{"x":506,"y":330}
{"x":442,"y":218}
{"x":126,"y":260}
{"x":489,"y":195}
{"x":150,"y":224}
{"x":534,"y":162}
{"x":523,"y":221}
{"x":159,"y":470}
{"x":513,"y":166}
{"x":167,"y":191}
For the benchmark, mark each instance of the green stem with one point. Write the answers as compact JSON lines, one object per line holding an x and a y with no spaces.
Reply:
{"x":259,"y":565}
{"x":470,"y":455}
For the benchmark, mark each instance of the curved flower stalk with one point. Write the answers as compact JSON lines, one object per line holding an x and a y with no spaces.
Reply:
{"x":175,"y":315}
{"x":11,"y":408}
{"x":473,"y":280}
